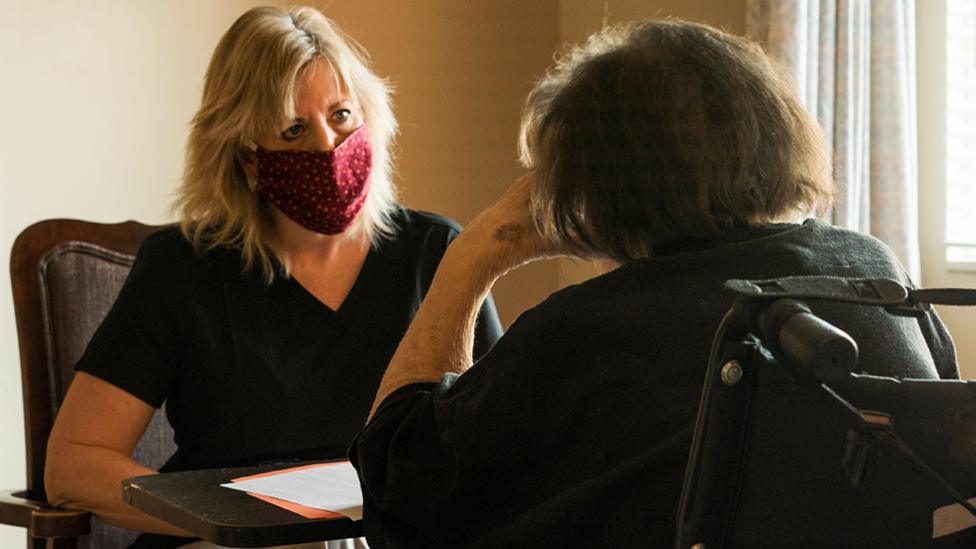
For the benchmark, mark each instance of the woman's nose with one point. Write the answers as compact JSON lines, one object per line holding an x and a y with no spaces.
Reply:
{"x":326,"y":138}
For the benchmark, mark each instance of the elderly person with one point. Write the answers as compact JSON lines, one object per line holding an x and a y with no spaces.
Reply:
{"x":266,"y":319}
{"x":676,"y":153}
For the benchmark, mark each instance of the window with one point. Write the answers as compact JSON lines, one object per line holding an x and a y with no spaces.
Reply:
{"x":961,"y":133}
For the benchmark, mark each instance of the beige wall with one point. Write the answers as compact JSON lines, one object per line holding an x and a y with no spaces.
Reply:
{"x":461,"y":70}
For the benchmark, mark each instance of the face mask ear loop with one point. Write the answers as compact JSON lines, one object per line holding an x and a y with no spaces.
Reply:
{"x":247,"y":160}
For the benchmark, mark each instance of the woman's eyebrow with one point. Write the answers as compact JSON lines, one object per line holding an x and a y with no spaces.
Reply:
{"x":332,"y":107}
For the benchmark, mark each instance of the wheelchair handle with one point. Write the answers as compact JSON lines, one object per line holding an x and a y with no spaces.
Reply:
{"x":815,"y":347}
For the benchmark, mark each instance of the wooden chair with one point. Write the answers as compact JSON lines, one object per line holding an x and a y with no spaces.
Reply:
{"x":65,"y":275}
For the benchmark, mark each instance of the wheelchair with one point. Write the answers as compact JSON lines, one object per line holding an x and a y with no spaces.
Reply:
{"x":791,"y":449}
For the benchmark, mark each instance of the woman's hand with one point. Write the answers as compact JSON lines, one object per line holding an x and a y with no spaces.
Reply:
{"x":503,"y":236}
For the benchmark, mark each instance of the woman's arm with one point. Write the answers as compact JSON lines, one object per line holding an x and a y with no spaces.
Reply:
{"x":88,"y":453}
{"x":440,"y":338}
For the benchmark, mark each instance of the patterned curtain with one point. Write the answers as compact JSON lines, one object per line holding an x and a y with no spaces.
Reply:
{"x":853,"y":62}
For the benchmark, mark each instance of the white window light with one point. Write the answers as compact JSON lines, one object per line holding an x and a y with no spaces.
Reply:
{"x":961,"y":134}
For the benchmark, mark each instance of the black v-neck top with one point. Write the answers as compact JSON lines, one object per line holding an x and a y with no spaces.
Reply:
{"x":252,"y":372}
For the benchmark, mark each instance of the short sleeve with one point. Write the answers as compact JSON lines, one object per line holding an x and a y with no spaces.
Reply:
{"x":135,"y":348}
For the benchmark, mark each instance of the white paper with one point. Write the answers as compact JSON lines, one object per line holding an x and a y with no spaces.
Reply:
{"x":333,"y":487}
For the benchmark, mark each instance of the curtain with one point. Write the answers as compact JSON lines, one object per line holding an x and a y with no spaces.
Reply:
{"x":853,"y":64}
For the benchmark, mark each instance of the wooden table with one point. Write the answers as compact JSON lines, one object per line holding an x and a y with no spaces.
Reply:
{"x":195,"y":502}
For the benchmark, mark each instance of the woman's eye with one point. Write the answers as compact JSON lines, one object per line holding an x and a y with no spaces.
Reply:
{"x":293,"y":132}
{"x":342,"y":115}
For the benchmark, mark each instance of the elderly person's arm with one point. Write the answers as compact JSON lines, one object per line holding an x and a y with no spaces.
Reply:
{"x":441,"y":336}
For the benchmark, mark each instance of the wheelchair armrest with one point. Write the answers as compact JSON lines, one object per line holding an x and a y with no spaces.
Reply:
{"x":42,"y":520}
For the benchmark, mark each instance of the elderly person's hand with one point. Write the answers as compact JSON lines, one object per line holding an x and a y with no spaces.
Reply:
{"x":504,"y":237}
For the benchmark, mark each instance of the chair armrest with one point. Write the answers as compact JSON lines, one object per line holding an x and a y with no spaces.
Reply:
{"x":42,"y":520}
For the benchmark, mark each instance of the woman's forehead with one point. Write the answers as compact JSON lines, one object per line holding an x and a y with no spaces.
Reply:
{"x":319,"y":85}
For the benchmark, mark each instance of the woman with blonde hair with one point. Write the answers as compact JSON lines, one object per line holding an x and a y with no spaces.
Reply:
{"x":265,"y":320}
{"x":678,"y":153}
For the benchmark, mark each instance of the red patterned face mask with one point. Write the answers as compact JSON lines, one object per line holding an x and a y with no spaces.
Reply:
{"x":322,"y":191}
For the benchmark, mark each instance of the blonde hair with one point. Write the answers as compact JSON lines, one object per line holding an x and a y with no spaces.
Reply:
{"x":249,"y":91}
{"x":656,"y":131}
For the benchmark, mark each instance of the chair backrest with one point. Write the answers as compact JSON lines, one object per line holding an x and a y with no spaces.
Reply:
{"x":776,"y":456}
{"x":65,"y":276}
